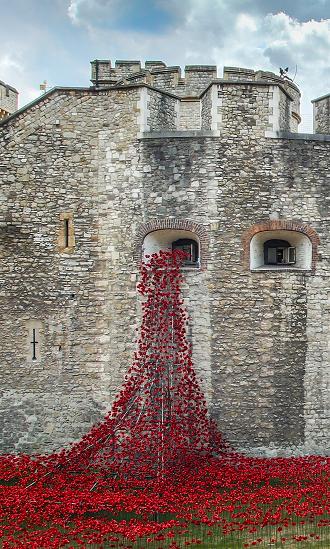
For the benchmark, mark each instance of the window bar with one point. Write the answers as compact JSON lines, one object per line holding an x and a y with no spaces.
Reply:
{"x":66,"y":233}
{"x":34,"y":343}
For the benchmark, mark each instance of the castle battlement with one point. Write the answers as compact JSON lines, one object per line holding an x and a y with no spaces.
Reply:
{"x":154,"y":73}
{"x":8,"y":100}
{"x":266,"y":101}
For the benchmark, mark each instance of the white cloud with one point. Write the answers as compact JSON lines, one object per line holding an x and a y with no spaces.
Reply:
{"x":8,"y":64}
{"x":92,"y":12}
{"x":73,"y":11}
{"x":213,"y":31}
{"x":246,"y":22}
{"x":259,"y":34}
{"x":304,"y":46}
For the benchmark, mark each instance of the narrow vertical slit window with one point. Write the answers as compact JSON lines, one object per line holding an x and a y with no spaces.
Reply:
{"x":66,"y":239}
{"x":34,"y":344}
{"x":34,"y":341}
{"x":66,"y":233}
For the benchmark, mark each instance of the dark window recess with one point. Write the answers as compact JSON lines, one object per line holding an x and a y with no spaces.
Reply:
{"x":279,"y":252}
{"x":66,"y":233}
{"x":190,"y":247}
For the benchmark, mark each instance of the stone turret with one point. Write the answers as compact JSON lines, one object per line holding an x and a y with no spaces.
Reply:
{"x":8,"y":100}
{"x":286,"y":95}
{"x":321,"y":114}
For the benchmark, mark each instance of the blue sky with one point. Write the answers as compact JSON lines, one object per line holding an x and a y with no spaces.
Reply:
{"x":54,"y":40}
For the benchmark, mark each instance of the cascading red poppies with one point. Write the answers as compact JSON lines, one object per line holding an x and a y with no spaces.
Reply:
{"x":159,"y":422}
{"x":158,"y":458}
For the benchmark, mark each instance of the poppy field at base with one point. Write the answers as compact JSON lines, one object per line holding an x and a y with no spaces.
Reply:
{"x":231,"y":502}
{"x":155,"y":472}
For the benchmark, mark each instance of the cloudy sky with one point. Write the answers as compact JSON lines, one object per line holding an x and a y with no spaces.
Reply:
{"x":54,"y":40}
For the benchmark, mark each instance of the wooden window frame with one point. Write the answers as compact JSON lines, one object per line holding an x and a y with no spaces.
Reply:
{"x":194,"y":251}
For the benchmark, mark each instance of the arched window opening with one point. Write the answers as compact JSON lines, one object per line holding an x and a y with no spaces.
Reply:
{"x":173,"y":239}
{"x":280,"y":249}
{"x":279,"y":252}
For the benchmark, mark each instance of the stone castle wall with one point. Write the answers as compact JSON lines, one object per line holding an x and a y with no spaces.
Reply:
{"x":111,"y":162}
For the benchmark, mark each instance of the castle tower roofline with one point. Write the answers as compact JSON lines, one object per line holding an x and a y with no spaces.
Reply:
{"x":8,"y":86}
{"x":241,"y":82}
{"x":154,"y":64}
{"x":154,"y":73}
{"x":321,"y":98}
{"x":71,"y":90}
{"x":196,"y":78}
{"x":8,"y":100}
{"x":203,"y":68}
{"x":241,"y":73}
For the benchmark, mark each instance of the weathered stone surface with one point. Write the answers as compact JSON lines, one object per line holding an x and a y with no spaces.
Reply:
{"x":321,"y":115}
{"x":99,"y":159}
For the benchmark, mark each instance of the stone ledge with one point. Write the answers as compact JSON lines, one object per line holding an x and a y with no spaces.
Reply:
{"x":251,"y":83}
{"x":320,"y":98}
{"x":298,"y":136}
{"x":174,"y":134}
{"x":265,"y":269}
{"x":7,"y":86}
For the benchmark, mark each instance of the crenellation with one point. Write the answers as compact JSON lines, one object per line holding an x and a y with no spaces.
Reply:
{"x":284,"y":104}
{"x":198,"y":77}
{"x":127,"y":68}
{"x":238,"y":73}
{"x":102,"y":74}
{"x":154,"y":65}
{"x":167,"y":79}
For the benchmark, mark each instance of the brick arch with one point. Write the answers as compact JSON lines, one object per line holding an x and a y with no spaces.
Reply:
{"x":279,"y":225}
{"x":201,"y":231}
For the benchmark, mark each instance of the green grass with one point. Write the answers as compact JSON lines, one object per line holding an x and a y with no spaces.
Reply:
{"x":213,"y":538}
{"x":202,"y":536}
